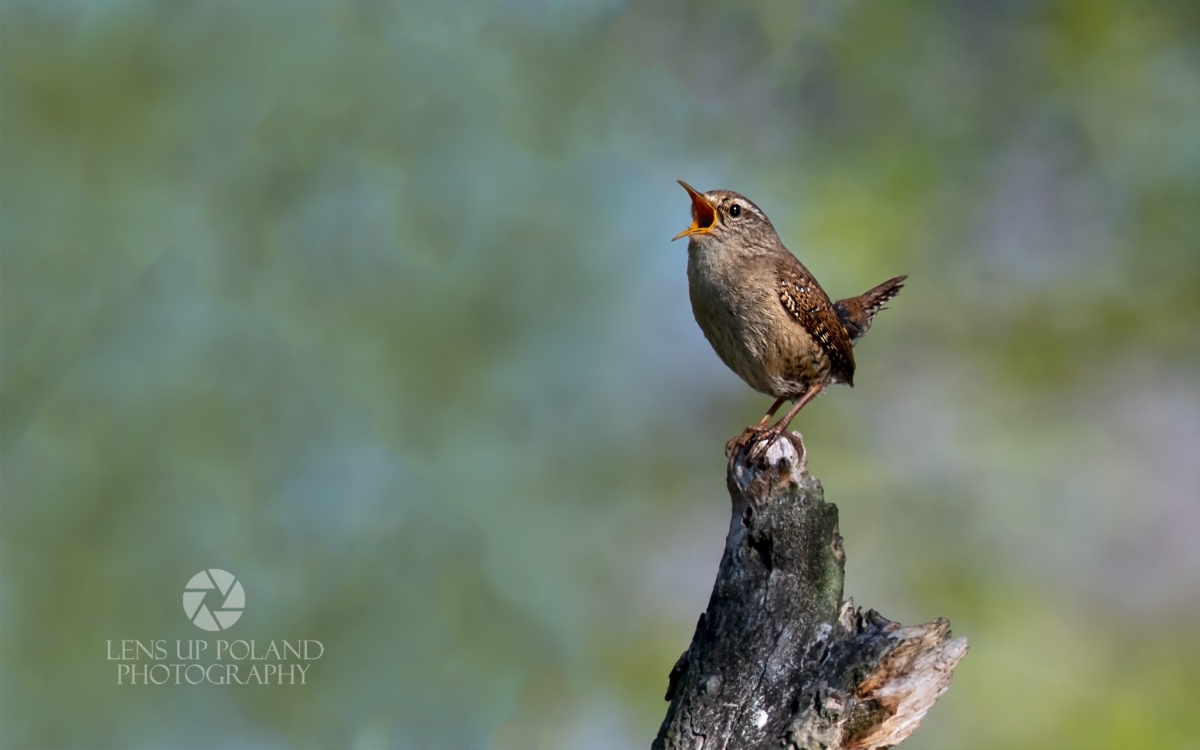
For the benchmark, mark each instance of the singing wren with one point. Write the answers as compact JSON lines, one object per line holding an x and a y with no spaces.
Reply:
{"x":763,"y":312}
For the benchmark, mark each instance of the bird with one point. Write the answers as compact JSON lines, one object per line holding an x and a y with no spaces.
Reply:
{"x":764,"y":313}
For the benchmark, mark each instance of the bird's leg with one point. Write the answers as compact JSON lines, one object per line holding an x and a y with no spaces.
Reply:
{"x":746,"y":433}
{"x":780,"y":427}
{"x":808,"y":396}
{"x":771,"y":412}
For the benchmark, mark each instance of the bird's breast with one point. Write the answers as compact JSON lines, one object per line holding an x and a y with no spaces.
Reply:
{"x":737,"y":307}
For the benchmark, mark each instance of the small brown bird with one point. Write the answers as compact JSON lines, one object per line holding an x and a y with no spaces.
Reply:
{"x":763,"y":312}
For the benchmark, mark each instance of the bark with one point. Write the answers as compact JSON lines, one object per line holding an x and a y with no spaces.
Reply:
{"x":778,"y":660}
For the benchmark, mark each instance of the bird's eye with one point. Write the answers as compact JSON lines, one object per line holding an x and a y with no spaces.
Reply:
{"x":735,"y":210}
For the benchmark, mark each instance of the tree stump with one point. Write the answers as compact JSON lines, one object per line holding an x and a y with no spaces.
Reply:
{"x":778,"y":659}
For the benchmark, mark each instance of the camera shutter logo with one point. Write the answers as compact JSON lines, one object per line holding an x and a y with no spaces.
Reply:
{"x":204,"y":582}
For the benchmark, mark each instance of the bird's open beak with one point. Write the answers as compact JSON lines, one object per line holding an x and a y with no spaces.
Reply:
{"x":703,"y":214}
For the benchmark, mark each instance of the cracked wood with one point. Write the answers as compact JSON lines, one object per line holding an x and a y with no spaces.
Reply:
{"x":778,"y":659}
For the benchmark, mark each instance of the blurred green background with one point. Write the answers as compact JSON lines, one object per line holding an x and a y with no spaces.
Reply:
{"x":373,"y":304}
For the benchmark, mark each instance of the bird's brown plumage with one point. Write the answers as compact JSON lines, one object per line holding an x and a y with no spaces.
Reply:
{"x":765,"y":315}
{"x":856,"y":313}
{"x":809,"y":306}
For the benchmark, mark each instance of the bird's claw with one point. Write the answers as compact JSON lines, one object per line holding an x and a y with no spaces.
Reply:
{"x":734,"y":444}
{"x":760,"y":440}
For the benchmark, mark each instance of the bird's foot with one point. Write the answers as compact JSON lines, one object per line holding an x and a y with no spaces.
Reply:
{"x":748,"y":435}
{"x":764,"y":438}
{"x":759,"y":439}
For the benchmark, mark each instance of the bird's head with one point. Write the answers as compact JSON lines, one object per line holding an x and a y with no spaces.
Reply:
{"x":723,"y":216}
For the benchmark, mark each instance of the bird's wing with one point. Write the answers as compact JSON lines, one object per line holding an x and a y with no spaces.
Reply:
{"x":808,"y":304}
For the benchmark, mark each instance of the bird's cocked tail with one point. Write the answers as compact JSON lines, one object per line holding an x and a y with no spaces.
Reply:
{"x":856,"y":313}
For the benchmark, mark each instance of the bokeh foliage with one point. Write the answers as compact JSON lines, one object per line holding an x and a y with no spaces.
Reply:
{"x":372,"y":304}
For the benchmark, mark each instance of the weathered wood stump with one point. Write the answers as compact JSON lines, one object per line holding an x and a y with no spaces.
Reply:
{"x":778,"y":659}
